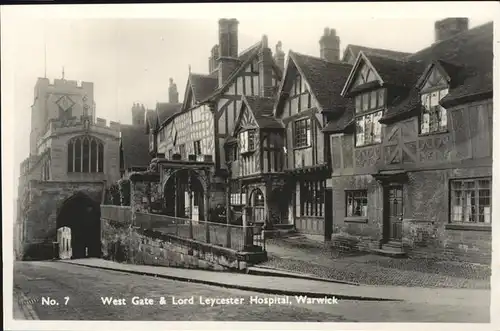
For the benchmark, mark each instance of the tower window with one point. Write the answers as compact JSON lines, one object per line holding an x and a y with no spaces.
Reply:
{"x":85,"y":154}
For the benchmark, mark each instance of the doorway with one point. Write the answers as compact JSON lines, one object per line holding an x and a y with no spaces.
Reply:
{"x":394,"y":211}
{"x":82,"y":216}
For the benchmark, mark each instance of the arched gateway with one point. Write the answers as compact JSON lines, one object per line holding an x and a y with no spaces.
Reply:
{"x":82,"y":215}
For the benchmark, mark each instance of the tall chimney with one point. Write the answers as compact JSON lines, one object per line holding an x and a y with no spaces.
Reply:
{"x":265,"y":69}
{"x":173,"y":95}
{"x":228,"y":48}
{"x":449,"y":27}
{"x":228,"y":37}
{"x":279,"y":56}
{"x":330,"y":46}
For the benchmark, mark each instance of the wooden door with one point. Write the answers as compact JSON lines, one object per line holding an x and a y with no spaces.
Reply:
{"x":394,"y":214}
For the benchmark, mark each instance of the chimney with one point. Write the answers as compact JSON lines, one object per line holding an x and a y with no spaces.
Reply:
{"x":265,"y":69}
{"x":449,"y":27}
{"x":212,"y":60}
{"x":173,"y":95}
{"x":279,"y":56}
{"x":228,"y":48}
{"x":228,"y":37}
{"x":330,"y":46}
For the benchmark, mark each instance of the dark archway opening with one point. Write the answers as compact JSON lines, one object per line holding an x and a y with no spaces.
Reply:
{"x":83,"y":216}
{"x":176,"y":196}
{"x":279,"y":201}
{"x":256,"y":200}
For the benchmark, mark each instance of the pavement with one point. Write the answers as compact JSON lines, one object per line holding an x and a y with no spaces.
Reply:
{"x":80,"y":286}
{"x":301,"y":254}
{"x":280,"y":285}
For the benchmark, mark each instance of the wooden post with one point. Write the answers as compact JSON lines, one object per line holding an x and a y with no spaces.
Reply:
{"x":228,"y":206}
{"x":190,"y":195}
{"x":206,"y":204}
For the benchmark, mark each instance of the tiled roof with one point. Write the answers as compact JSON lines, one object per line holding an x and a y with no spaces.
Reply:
{"x":397,"y":72}
{"x":135,"y":146}
{"x":326,"y":79}
{"x":377,"y":52}
{"x":466,"y":57}
{"x":202,"y":85}
{"x":166,"y":110}
{"x":262,"y":109}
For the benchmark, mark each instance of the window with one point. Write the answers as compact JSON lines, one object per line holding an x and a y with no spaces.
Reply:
{"x":196,"y":115}
{"x":433,"y":118}
{"x":369,"y":110}
{"x":236,"y":196}
{"x":312,"y":198}
{"x":356,"y":203}
{"x":247,"y":141}
{"x":197,"y":147}
{"x":85,"y":154}
{"x":471,"y":201}
{"x":370,"y":101}
{"x":232,"y":153}
{"x":302,"y":133}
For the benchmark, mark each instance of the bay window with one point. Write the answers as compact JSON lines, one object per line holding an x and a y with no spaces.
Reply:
{"x":433,"y":118}
{"x":369,"y":110}
{"x":247,"y":141}
{"x":302,"y":136}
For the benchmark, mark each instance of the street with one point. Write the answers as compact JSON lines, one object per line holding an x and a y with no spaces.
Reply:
{"x":59,"y":291}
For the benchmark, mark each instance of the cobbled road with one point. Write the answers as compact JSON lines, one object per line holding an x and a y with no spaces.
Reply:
{"x":84,"y":288}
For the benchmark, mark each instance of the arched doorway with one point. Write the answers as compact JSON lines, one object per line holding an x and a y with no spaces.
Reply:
{"x":176,"y":196}
{"x":256,"y":200}
{"x":83,"y":216}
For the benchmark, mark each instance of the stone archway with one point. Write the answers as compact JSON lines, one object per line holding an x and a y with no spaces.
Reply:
{"x":177,"y":199}
{"x":83,"y":216}
{"x":256,"y":200}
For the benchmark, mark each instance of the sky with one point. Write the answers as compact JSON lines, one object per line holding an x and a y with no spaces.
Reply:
{"x":129,"y":53}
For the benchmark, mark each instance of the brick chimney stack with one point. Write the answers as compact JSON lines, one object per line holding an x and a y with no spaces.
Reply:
{"x":228,"y":48}
{"x":279,"y":56}
{"x":330,"y":46}
{"x":265,"y":69}
{"x":448,"y":27}
{"x":173,"y":95}
{"x":212,"y":60}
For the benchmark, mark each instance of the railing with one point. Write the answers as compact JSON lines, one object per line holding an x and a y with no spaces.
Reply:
{"x":235,"y":237}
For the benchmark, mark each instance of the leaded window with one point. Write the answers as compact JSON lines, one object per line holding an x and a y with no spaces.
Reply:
{"x":471,"y":200}
{"x":85,"y":154}
{"x":356,"y":203}
{"x":302,"y":136}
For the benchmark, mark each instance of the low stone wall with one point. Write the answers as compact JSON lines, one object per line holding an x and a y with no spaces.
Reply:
{"x":136,"y":243}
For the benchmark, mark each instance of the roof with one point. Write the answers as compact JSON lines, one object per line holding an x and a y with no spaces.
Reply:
{"x":466,"y":57}
{"x":202,"y":85}
{"x":262,"y":110}
{"x":326,"y":79}
{"x":135,"y":146}
{"x":397,"y":72}
{"x":355,"y":49}
{"x":166,"y":110}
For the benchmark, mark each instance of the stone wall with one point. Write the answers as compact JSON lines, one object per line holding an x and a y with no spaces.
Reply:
{"x":138,"y":244}
{"x":38,"y":212}
{"x":426,"y":229}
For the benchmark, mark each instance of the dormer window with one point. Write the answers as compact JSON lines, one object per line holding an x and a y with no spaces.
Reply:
{"x":433,"y":118}
{"x":369,"y":109}
{"x":247,"y":141}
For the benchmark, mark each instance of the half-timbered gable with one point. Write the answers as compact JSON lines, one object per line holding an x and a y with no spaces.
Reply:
{"x":309,"y":96}
{"x":257,"y":73}
{"x":404,"y":158}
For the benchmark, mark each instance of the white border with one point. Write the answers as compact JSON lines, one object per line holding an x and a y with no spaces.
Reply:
{"x":288,"y":11}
